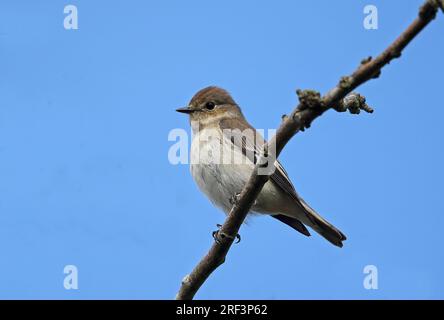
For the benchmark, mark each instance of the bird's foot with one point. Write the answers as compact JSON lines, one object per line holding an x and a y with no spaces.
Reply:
{"x":235,"y":199}
{"x":218,"y":235}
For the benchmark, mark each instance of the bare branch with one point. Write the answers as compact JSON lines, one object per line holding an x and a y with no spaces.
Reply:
{"x":311,"y":105}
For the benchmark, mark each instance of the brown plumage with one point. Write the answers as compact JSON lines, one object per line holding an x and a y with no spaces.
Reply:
{"x":214,"y":108}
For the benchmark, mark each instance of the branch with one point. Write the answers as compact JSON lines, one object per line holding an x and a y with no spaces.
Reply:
{"x":311,"y":105}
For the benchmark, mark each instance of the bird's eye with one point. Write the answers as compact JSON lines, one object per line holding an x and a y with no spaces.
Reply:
{"x":210,"y":105}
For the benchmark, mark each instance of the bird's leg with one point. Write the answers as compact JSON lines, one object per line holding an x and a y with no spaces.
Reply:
{"x":218,"y":236}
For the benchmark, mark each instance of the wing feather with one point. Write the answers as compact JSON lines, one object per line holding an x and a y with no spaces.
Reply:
{"x":251,"y":149}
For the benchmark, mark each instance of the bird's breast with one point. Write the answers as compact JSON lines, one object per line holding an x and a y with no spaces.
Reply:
{"x":219,"y":179}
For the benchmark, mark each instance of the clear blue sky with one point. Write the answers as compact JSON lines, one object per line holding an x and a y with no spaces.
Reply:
{"x":84,"y":173}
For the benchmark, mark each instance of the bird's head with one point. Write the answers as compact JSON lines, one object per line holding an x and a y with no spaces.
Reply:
{"x":211,"y":104}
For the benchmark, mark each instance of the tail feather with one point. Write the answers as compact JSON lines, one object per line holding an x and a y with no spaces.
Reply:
{"x":322,"y":226}
{"x":303,"y":213}
{"x":330,"y":233}
{"x":293,"y":223}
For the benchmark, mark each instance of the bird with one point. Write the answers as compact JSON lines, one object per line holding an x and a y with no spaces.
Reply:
{"x":219,"y":127}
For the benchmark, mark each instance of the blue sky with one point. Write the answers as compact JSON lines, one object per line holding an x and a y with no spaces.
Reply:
{"x":84,"y":173}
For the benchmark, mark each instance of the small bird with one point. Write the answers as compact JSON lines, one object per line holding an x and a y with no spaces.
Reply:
{"x":217,"y":121}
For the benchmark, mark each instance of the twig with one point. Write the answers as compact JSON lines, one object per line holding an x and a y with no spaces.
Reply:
{"x":311,"y":105}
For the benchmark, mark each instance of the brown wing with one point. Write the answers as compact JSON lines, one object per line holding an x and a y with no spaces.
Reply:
{"x":251,"y":149}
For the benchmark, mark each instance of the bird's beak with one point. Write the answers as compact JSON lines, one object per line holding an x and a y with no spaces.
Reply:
{"x":186,"y":110}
